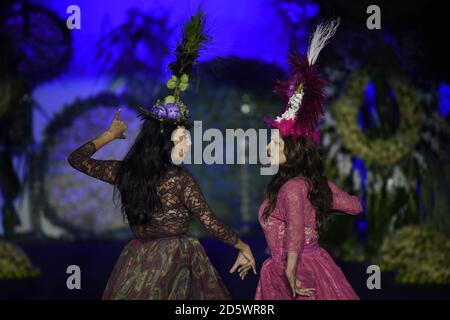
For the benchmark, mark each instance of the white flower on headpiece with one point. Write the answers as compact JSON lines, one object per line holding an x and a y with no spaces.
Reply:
{"x":294,"y":104}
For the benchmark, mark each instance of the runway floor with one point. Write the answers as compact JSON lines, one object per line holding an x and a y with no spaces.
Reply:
{"x":97,"y":258}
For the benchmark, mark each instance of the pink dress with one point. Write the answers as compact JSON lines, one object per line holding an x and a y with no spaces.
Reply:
{"x":291,"y":227}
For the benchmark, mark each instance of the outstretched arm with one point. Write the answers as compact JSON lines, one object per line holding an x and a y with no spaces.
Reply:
{"x":194,"y":200}
{"x":344,"y":202}
{"x":106,"y":170}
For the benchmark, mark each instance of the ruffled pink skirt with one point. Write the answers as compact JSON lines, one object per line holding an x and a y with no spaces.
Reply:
{"x":316,"y":269}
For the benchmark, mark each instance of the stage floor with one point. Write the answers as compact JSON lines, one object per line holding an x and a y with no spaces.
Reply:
{"x":97,"y":258}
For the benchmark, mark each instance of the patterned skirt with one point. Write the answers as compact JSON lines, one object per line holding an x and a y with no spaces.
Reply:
{"x":174,"y":268}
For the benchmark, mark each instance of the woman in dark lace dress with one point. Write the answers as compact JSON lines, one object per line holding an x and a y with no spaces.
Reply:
{"x":158,"y":199}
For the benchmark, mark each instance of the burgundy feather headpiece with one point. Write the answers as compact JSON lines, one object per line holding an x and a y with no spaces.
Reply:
{"x":303,"y":92}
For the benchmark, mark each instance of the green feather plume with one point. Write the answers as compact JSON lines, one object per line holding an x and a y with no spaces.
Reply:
{"x":193,"y":40}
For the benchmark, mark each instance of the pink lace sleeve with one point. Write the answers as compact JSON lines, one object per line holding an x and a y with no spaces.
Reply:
{"x":293,"y":196}
{"x":344,"y":202}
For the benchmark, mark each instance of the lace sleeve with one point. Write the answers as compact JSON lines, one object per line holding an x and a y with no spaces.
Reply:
{"x":293,"y":197}
{"x":344,"y":202}
{"x":81,"y":160}
{"x":194,"y":200}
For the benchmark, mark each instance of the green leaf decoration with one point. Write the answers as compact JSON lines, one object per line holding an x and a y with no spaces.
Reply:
{"x":184,"y":82}
{"x":169,"y":99}
{"x":172,"y":83}
{"x":180,"y":83}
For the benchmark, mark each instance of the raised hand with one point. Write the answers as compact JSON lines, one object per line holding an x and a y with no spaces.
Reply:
{"x":117,"y":127}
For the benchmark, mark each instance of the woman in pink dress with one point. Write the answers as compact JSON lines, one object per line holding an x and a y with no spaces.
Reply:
{"x":299,"y":198}
{"x":298,"y":267}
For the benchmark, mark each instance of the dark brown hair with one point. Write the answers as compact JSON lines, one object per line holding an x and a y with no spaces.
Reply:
{"x":302,"y":160}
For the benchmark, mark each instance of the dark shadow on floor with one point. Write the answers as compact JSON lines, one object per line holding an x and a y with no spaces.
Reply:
{"x":97,"y":258}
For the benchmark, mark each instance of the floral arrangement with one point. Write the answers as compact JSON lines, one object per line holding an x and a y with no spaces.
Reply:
{"x":393,"y":174}
{"x":304,"y":98}
{"x":418,"y":254}
{"x":171,"y":111}
{"x":303,"y":91}
{"x":294,"y":104}
{"x":61,"y":198}
{"x":14,"y":263}
{"x":378,"y":152}
{"x":171,"y":108}
{"x":52,"y":191}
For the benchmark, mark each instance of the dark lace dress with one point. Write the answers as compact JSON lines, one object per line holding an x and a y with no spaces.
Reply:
{"x":162,"y":262}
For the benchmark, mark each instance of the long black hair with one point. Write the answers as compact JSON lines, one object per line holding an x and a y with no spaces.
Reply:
{"x":143,"y":167}
{"x":302,"y":159}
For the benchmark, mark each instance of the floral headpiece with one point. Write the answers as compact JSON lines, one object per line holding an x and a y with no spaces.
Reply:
{"x":303,"y":91}
{"x":172,"y":109}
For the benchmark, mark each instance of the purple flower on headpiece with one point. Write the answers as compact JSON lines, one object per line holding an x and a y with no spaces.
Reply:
{"x":173,"y":111}
{"x":159,"y":111}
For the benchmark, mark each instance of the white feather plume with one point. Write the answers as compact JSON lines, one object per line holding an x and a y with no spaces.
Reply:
{"x":320,"y":37}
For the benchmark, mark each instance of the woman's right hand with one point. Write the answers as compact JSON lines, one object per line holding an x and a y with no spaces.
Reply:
{"x":117,"y":127}
{"x":244,"y":261}
{"x":296,"y":286}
